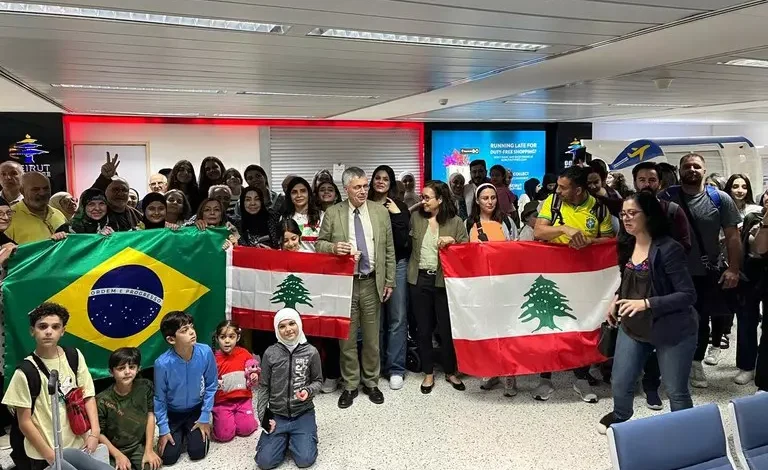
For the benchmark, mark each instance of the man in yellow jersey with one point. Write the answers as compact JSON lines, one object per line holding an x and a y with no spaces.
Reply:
{"x":572,"y":217}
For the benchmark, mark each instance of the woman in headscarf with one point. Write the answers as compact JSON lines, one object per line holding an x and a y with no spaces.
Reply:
{"x":300,"y":206}
{"x":530,"y":188}
{"x":155,"y":209}
{"x":548,"y":186}
{"x":65,"y":203}
{"x":258,"y":225}
{"x":411,"y":199}
{"x":211,"y":173}
{"x":285,"y":401}
{"x":93,"y":214}
{"x":456,"y":183}
{"x":122,"y":217}
{"x":133,"y":198}
{"x":182,"y":177}
{"x":177,"y":207}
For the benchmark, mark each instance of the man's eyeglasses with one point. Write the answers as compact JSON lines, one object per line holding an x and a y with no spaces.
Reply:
{"x":7,"y":214}
{"x":426,"y":198}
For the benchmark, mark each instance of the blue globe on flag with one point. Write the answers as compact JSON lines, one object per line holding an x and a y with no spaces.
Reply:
{"x":125,"y":300}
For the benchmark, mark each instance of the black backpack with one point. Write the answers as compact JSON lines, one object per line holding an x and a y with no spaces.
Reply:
{"x":599,"y":210}
{"x":32,"y":373}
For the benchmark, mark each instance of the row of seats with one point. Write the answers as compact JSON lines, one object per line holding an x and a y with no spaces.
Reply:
{"x":694,"y":439}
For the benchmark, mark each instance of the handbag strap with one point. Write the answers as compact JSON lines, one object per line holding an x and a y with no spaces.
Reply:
{"x":696,"y":233}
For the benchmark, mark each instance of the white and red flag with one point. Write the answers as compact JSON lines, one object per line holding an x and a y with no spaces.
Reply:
{"x":522,"y":308}
{"x":319,"y":286}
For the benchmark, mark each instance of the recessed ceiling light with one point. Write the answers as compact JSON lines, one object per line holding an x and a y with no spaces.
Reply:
{"x":136,"y":88}
{"x":423,"y":40}
{"x":307,"y":95}
{"x":553,"y":103}
{"x":747,"y":63}
{"x":141,"y":113}
{"x":650,"y":105}
{"x":139,"y":17}
{"x":263,"y":116}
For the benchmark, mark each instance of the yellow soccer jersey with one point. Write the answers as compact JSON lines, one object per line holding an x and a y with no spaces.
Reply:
{"x":579,"y":217}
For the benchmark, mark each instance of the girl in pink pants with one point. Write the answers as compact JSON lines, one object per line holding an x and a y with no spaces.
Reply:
{"x":238,"y":374}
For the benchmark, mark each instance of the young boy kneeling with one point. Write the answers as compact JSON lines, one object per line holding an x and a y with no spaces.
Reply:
{"x":126,"y":414}
{"x":47,"y":325}
{"x":291,"y":375}
{"x":185,"y":385}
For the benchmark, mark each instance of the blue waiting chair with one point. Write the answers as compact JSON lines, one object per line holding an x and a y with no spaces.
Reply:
{"x":750,"y":415}
{"x":691,"y":439}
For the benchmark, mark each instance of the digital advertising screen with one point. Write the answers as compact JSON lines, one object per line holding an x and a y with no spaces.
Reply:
{"x":522,"y":152}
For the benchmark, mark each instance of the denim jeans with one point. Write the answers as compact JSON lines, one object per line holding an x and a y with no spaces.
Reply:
{"x":298,"y":434}
{"x":629,"y":361}
{"x":394,"y":324}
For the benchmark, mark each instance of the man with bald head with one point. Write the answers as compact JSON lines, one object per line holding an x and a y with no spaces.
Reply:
{"x":158,"y":183}
{"x":10,"y":179}
{"x":34,"y":219}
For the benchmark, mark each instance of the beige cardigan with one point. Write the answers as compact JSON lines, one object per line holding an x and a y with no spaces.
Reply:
{"x":452,"y":228}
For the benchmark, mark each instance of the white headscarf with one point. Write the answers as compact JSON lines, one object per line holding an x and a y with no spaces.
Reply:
{"x":289,"y":314}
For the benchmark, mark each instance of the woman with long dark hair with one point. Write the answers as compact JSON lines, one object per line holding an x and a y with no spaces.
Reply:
{"x":616,"y":181}
{"x":258,"y":225}
{"x":183,"y":178}
{"x":487,"y":223}
{"x":753,"y":293}
{"x":653,"y":309}
{"x":739,"y":188}
{"x":300,"y":206}
{"x":327,"y":194}
{"x":530,"y":189}
{"x":177,"y":207}
{"x":256,"y":176}
{"x":395,"y":315}
{"x":211,"y":173}
{"x":434,"y":226}
{"x":155,"y":210}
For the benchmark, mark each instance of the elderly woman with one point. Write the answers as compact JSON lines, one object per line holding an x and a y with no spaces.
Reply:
{"x":456,"y":183}
{"x":64,"y":202}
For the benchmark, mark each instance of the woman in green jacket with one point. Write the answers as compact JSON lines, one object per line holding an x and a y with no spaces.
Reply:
{"x":434,"y":226}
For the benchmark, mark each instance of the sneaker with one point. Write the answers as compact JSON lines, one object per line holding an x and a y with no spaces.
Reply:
{"x":396,"y":382}
{"x":329,"y":385}
{"x":489,"y":383}
{"x":698,"y":377}
{"x":713,"y":356}
{"x":744,"y":377}
{"x":584,"y":390}
{"x":606,"y":422}
{"x":510,"y":387}
{"x":5,"y":442}
{"x":544,"y":390}
{"x":653,"y":400}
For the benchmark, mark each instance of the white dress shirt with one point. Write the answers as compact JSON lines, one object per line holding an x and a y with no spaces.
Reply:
{"x":365,"y":218}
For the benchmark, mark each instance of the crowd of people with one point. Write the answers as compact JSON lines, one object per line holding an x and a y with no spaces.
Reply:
{"x":692,"y":255}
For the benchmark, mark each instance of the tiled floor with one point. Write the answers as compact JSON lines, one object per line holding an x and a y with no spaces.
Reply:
{"x":474,"y":429}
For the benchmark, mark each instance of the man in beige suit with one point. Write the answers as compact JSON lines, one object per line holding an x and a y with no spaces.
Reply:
{"x":359,"y":227}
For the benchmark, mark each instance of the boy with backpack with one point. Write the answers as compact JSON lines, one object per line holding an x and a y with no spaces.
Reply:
{"x":126,"y":414}
{"x":186,"y":381}
{"x":32,"y":441}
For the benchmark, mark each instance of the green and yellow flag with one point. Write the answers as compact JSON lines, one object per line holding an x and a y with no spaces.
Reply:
{"x":117,"y":290}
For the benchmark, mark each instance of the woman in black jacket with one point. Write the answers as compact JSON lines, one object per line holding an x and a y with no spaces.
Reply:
{"x":259,"y":226}
{"x":395,"y":322}
{"x":655,"y":308}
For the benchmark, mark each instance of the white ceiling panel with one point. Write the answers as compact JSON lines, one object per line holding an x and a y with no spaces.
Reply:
{"x":41,"y":51}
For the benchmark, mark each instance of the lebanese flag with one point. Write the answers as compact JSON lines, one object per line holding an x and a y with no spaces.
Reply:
{"x":524,"y":307}
{"x":319,"y":286}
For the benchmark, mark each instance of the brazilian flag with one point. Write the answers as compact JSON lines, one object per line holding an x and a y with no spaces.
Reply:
{"x":117,"y":290}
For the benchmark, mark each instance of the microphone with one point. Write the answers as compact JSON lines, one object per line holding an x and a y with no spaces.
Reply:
{"x":53,"y":382}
